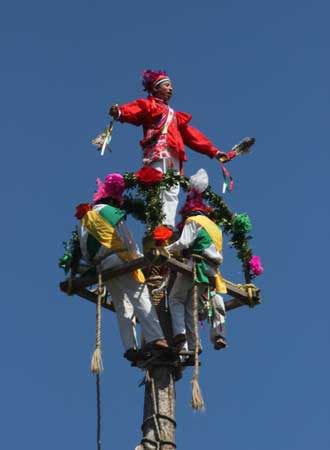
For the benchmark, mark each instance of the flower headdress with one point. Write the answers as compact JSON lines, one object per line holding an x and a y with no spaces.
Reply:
{"x":151,"y":78}
{"x":113,"y":186}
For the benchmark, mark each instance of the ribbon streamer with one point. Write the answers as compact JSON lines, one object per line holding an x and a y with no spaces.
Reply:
{"x":226,"y":176}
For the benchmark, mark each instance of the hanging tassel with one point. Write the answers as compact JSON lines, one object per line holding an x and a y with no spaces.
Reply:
{"x":197,"y":401}
{"x":96,"y":363}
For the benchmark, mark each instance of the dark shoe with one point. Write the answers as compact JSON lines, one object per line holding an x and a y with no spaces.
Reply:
{"x":220,"y":343}
{"x":131,"y":354}
{"x":179,"y":340}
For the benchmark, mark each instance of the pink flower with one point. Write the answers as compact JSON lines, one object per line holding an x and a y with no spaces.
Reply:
{"x":113,"y":186}
{"x":255,"y":265}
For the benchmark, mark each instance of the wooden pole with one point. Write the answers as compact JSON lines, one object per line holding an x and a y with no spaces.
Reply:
{"x":158,"y":428}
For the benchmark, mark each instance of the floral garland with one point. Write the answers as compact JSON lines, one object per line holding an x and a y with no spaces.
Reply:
{"x":143,"y":201}
{"x":65,"y":262}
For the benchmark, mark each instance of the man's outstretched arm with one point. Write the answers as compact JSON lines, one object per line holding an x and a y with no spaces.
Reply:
{"x":198,"y":142}
{"x":132,"y":112}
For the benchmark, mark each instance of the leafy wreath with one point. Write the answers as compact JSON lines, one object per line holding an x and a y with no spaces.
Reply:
{"x":143,"y":202}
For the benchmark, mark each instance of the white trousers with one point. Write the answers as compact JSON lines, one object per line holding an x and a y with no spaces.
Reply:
{"x":181,"y":307}
{"x":218,"y":324}
{"x":170,"y":197}
{"x":131,"y":298}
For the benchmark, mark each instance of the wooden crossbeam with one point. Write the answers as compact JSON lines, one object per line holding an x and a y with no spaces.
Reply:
{"x":79,"y":285}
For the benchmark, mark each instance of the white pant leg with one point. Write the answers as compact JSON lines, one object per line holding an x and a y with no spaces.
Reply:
{"x":124,"y":312}
{"x":126,"y":293}
{"x":189,"y":315}
{"x":125,"y":288}
{"x":177,"y":300}
{"x":170,"y":197}
{"x":218,"y":325}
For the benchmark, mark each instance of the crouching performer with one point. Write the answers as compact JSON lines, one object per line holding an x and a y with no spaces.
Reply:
{"x":201,"y":242}
{"x":106,"y":243}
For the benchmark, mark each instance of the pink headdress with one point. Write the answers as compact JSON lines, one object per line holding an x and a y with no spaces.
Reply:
{"x":113,"y":186}
{"x":151,"y":78}
{"x":194,"y":202}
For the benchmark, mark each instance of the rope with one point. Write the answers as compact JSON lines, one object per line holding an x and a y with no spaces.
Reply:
{"x":152,"y":442}
{"x":158,"y":443}
{"x":197,"y":401}
{"x":160,"y":416}
{"x":156,"y":412}
{"x":96,"y":363}
{"x":98,"y":409}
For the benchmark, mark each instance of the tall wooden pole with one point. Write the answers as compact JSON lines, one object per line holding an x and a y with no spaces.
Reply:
{"x":159,"y":399}
{"x":158,"y":426}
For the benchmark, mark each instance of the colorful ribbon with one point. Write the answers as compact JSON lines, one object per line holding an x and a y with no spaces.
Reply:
{"x":228,"y":182}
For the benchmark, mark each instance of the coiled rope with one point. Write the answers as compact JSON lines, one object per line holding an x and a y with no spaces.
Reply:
{"x":197,"y":401}
{"x":96,"y":363}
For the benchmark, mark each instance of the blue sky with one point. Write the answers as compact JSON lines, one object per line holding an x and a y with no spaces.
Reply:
{"x":240,"y":68}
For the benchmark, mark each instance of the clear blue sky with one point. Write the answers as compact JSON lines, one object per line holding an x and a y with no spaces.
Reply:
{"x":241,"y":68}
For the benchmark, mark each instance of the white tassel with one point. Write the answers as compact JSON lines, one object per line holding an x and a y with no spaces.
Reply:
{"x":197,"y":401}
{"x":97,"y":363}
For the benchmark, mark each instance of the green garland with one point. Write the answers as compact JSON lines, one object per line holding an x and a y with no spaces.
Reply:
{"x":238,"y":225}
{"x":143,"y":202}
{"x":65,"y":262}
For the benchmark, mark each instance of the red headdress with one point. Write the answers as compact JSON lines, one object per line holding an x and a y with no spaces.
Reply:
{"x":151,"y":78}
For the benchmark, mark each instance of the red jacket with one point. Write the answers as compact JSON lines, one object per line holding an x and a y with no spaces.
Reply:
{"x":150,"y":113}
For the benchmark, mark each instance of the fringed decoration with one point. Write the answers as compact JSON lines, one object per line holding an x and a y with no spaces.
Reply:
{"x":96,"y":363}
{"x":102,"y":141}
{"x":244,"y":146}
{"x":197,"y":401}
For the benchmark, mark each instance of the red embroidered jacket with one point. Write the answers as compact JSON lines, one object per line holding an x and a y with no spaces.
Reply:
{"x":151,"y":113}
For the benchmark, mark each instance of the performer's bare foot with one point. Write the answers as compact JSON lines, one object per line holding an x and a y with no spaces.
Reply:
{"x":160,"y":344}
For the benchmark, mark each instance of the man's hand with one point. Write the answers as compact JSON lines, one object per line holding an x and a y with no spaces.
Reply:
{"x":223,"y":157}
{"x":114,"y":111}
{"x":165,"y":252}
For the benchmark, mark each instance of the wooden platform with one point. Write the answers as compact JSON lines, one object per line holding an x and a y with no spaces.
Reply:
{"x":83,"y":286}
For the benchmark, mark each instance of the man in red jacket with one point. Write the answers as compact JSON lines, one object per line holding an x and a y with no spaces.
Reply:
{"x":166,"y":132}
